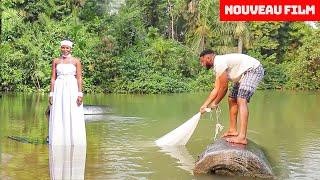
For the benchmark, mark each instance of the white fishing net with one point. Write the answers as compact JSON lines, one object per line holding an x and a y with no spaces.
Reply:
{"x":181,"y":134}
{"x":219,"y":126}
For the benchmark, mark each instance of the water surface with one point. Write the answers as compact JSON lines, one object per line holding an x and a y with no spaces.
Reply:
{"x":120,"y":144}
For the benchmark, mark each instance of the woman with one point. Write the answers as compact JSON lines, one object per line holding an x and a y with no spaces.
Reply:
{"x":66,"y":123}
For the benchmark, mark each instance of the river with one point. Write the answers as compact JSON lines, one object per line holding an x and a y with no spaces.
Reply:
{"x":120,"y":144}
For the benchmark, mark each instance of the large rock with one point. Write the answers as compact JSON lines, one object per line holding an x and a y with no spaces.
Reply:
{"x":224,"y":158}
{"x":90,"y":110}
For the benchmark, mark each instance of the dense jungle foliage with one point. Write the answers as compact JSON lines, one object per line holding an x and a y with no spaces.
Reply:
{"x":148,"y":46}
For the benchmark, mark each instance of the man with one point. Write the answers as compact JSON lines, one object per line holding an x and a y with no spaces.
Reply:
{"x":245,"y":72}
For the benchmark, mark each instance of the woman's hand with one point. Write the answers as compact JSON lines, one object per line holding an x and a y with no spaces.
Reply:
{"x":50,"y":100}
{"x":79,"y":100}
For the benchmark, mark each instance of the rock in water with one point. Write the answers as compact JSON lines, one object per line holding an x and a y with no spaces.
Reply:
{"x":224,"y":158}
{"x":89,"y":110}
{"x":95,"y":109}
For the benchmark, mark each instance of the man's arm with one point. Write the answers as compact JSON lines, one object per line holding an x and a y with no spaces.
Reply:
{"x":209,"y":99}
{"x":223,"y":88}
{"x":219,"y":86}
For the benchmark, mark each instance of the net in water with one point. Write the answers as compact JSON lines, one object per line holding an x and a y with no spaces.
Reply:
{"x":181,"y":134}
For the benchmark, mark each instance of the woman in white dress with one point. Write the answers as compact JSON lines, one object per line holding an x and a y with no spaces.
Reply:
{"x":66,"y":122}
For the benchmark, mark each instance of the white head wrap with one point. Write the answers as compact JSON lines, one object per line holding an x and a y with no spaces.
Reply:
{"x":66,"y":43}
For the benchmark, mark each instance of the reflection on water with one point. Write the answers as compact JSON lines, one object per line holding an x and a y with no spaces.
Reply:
{"x":108,"y":117}
{"x":120,"y":145}
{"x":67,"y":162}
{"x":306,"y":166}
{"x":310,"y":157}
{"x":185,"y":160}
{"x":5,"y":158}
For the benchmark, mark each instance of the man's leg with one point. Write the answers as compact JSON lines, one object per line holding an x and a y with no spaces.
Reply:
{"x":248,"y":85}
{"x":233,"y":113}
{"x":244,"y":114}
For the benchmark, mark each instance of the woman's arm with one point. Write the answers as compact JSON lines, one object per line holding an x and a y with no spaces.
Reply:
{"x":79,"y":75}
{"x":53,"y":79}
{"x":79,"y":81}
{"x":53,"y":75}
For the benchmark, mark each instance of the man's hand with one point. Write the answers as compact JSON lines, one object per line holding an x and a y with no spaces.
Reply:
{"x":79,"y":100}
{"x":213,"y":106}
{"x":203,"y":109}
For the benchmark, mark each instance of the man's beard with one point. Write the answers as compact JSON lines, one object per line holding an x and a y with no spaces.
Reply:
{"x":208,"y":66}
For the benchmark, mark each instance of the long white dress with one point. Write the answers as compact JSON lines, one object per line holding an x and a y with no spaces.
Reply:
{"x":66,"y":124}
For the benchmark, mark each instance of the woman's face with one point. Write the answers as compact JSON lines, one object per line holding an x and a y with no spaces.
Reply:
{"x":65,"y":50}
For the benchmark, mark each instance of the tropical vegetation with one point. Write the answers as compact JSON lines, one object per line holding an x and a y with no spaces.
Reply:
{"x":148,"y":46}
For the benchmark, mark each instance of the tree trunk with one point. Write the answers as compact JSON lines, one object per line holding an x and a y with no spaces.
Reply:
{"x":172,"y":27}
{"x":202,"y":43}
{"x":240,"y":44}
{"x":224,"y":158}
{"x":171,"y":20}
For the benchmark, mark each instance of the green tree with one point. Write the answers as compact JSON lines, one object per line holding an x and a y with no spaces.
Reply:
{"x":146,"y":46}
{"x":304,"y":71}
{"x":1,"y":10}
{"x":242,"y":34}
{"x":201,"y":24}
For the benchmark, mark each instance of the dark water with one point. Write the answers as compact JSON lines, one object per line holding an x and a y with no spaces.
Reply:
{"x":120,"y":144}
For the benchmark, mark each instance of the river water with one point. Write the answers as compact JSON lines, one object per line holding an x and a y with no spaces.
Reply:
{"x":120,"y":144}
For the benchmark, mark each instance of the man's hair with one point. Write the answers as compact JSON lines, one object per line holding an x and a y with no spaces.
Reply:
{"x":206,"y":51}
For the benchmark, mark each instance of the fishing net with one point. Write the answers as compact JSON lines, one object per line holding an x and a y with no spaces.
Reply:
{"x":181,"y":134}
{"x":219,"y":126}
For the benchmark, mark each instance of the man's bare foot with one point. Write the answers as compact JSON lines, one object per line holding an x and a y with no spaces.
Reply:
{"x":230,"y":133}
{"x":237,"y":140}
